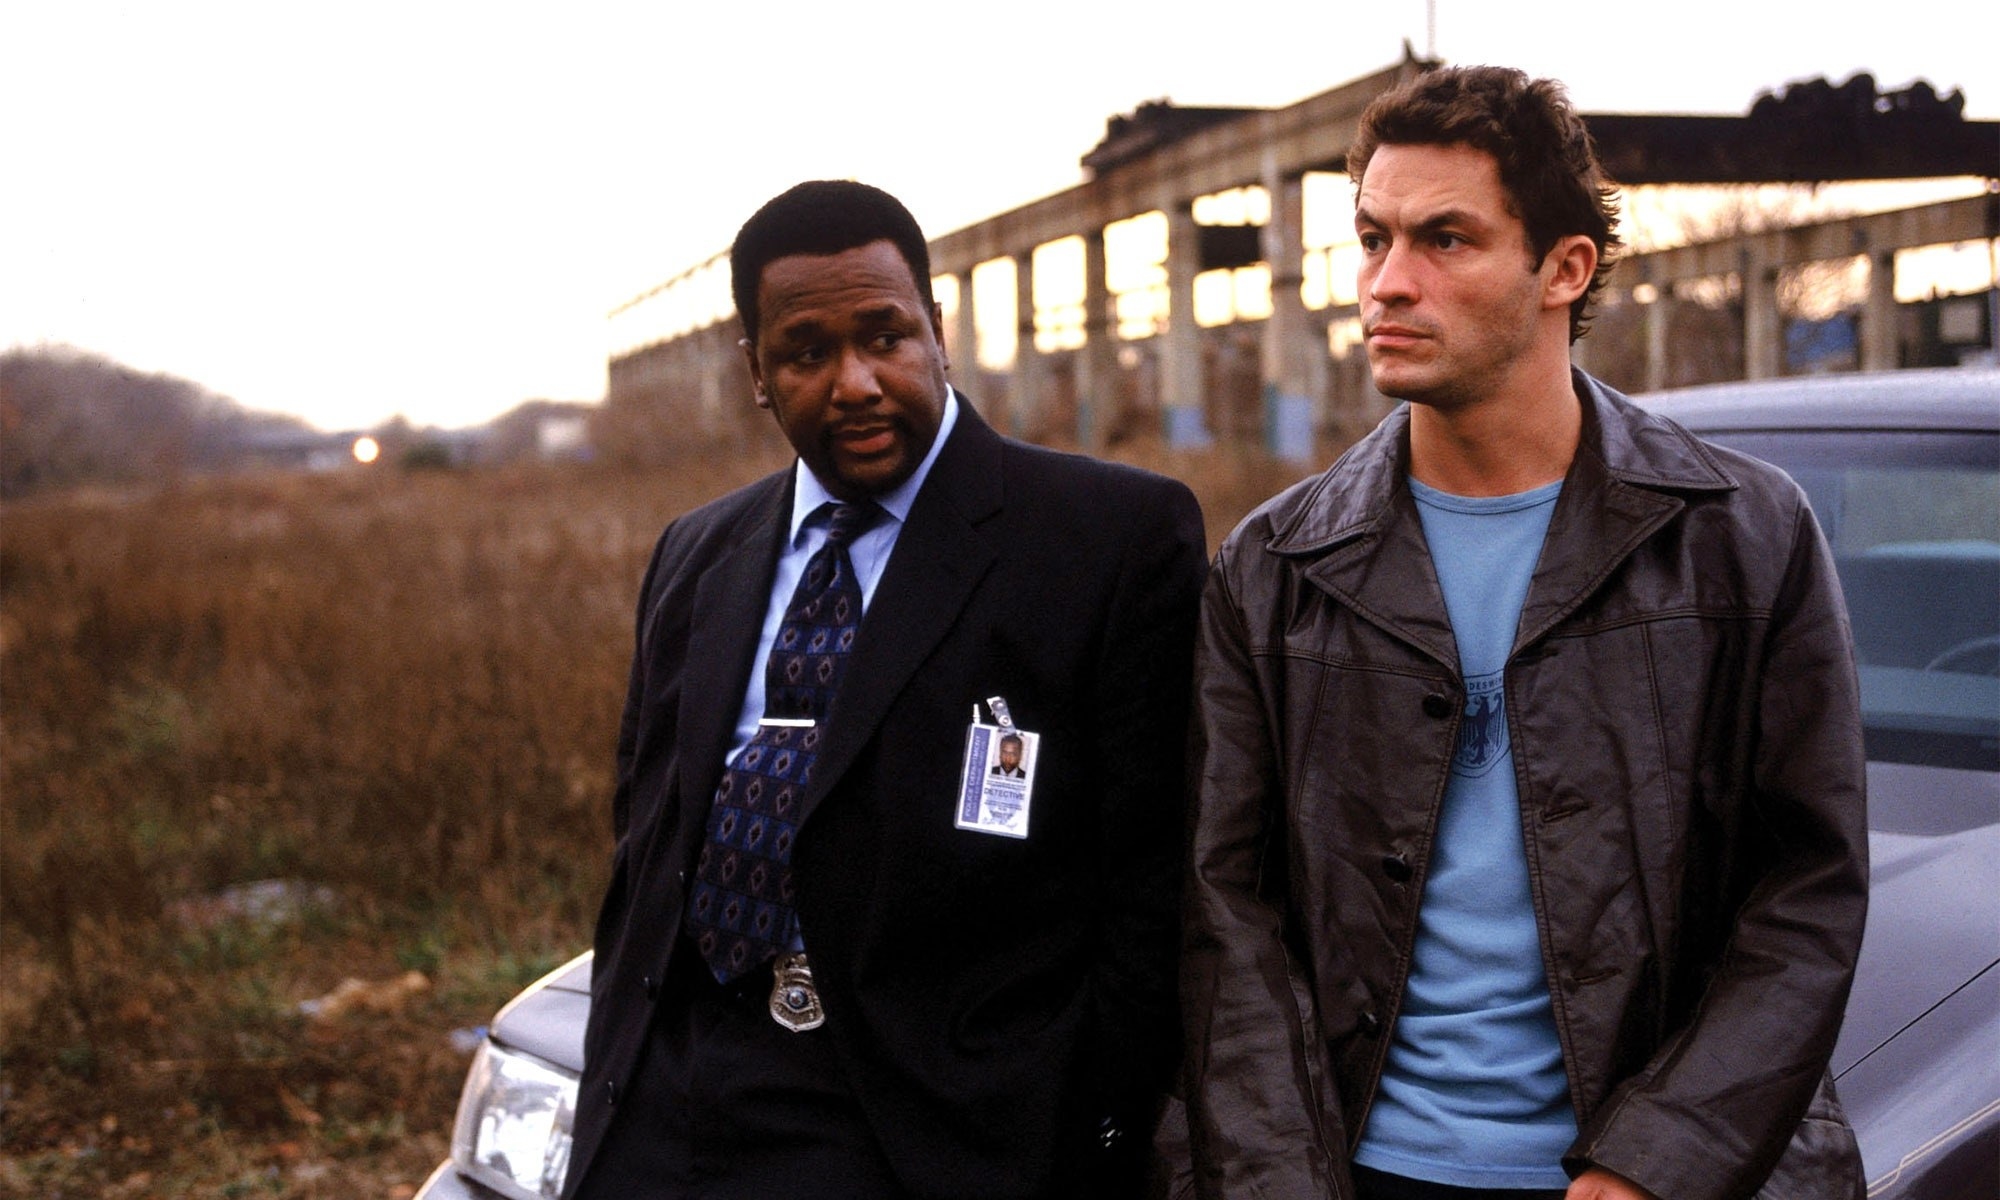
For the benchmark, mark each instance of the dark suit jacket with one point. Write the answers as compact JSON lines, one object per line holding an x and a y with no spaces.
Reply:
{"x":994,"y":1002}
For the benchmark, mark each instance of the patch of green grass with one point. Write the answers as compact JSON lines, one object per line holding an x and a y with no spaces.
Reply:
{"x":267,"y":1182}
{"x":78,"y":1060}
{"x":152,"y":719}
{"x":347,"y":1139}
{"x":226,"y":946}
{"x":424,"y":953}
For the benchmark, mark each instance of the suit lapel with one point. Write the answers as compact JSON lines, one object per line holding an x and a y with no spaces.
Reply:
{"x":940,"y":557}
{"x":728,"y":615}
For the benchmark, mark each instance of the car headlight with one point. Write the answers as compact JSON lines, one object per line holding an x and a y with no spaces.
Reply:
{"x":513,"y":1128}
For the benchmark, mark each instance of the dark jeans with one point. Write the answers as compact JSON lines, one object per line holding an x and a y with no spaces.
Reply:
{"x":1370,"y":1184}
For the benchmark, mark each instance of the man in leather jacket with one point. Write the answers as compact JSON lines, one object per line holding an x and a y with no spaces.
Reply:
{"x":1529,"y":857}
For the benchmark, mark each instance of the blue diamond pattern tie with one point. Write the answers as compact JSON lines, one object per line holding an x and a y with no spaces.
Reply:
{"x":740,"y":909}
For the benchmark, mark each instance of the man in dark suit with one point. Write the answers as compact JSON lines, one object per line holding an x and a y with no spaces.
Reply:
{"x":820,"y":971}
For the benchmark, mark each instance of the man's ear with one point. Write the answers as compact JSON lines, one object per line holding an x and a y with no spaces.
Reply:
{"x":1571,"y":263}
{"x":756,"y":373}
{"x":937,"y":331}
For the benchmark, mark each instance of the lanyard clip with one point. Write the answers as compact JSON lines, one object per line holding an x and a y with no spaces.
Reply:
{"x":1001,"y":716}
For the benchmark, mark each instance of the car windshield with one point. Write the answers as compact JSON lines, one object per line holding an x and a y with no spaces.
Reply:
{"x":1914,"y":521}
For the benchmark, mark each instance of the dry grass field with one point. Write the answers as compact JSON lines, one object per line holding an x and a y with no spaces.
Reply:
{"x":394,"y":694}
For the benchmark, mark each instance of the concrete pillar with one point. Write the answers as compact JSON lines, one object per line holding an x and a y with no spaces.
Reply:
{"x":1763,"y":326}
{"x":1097,"y":363}
{"x":1319,"y":369}
{"x":962,"y":337}
{"x":1180,"y":348}
{"x":1658,"y":314}
{"x":1879,"y":351}
{"x":714,"y":347}
{"x":1025,"y":386}
{"x":725,"y":391}
{"x":1288,"y":419}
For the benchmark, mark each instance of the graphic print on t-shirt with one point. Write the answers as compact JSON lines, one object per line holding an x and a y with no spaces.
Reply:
{"x":1482,"y":735}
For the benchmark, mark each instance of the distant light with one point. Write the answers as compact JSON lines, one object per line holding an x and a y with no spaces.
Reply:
{"x":366,"y":449}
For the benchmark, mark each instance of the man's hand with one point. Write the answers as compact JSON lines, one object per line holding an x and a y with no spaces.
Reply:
{"x":1600,"y":1184}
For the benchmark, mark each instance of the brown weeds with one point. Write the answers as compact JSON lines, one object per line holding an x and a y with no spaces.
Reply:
{"x":394,"y":692}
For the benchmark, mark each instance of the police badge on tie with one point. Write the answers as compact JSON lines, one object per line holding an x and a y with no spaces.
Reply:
{"x":997,"y":786}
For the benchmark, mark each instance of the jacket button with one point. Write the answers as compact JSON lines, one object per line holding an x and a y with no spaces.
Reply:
{"x":1435,"y":705}
{"x":1371,"y":1025}
{"x":651,"y":987}
{"x":611,"y":1093}
{"x":1396,"y":867}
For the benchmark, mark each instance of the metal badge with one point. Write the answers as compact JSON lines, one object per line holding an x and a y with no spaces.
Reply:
{"x":794,"y":999}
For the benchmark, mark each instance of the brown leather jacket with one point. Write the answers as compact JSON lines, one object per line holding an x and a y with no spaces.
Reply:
{"x":1687,"y":742}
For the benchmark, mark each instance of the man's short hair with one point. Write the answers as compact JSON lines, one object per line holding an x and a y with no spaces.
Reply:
{"x":1548,"y":163}
{"x":1015,"y":738}
{"x":822,"y":216}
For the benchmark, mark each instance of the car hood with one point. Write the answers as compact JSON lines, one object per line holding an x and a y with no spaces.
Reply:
{"x":547,"y":1019}
{"x":1934,"y":899}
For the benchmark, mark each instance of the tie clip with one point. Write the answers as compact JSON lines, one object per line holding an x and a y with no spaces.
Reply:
{"x":788,"y":722}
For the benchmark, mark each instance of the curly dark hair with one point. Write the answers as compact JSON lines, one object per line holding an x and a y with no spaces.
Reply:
{"x":1547,"y":161}
{"x":822,"y":216}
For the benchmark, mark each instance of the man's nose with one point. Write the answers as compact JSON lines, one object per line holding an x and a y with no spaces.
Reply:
{"x":854,"y":380}
{"x":1391,"y":276}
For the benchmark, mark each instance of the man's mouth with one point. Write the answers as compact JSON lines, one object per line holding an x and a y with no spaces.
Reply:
{"x":1392,"y":334}
{"x":865,"y":439}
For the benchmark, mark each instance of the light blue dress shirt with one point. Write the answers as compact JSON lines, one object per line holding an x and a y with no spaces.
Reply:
{"x":869,"y":553}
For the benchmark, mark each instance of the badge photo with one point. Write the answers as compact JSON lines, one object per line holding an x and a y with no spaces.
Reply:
{"x":997,"y":785}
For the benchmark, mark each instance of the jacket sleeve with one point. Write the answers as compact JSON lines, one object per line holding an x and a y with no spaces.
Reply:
{"x":1140,"y":705}
{"x":1263,"y":1121}
{"x":1712,"y":1112}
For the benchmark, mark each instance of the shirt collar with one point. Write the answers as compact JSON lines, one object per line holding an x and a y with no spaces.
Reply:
{"x":808,"y":493}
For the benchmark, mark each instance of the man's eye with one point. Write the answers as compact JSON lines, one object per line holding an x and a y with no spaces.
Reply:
{"x":888,"y":341}
{"x":1447,"y":241}
{"x":1372,"y":242}
{"x":810,"y":355}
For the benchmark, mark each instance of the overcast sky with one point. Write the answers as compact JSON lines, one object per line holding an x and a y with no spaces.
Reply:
{"x":351,"y":211}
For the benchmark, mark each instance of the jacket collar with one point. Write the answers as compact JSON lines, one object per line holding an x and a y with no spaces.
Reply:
{"x":1359,"y":537}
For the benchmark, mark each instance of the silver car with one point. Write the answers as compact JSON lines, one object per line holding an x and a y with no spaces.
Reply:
{"x":1903,"y":470}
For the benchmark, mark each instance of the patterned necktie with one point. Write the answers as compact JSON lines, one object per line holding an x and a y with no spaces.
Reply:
{"x":741,"y":905}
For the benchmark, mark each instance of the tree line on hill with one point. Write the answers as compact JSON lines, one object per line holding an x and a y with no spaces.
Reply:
{"x":68,"y":416}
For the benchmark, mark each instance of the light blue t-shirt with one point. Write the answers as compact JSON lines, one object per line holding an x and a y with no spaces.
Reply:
{"x":1474,"y":1093}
